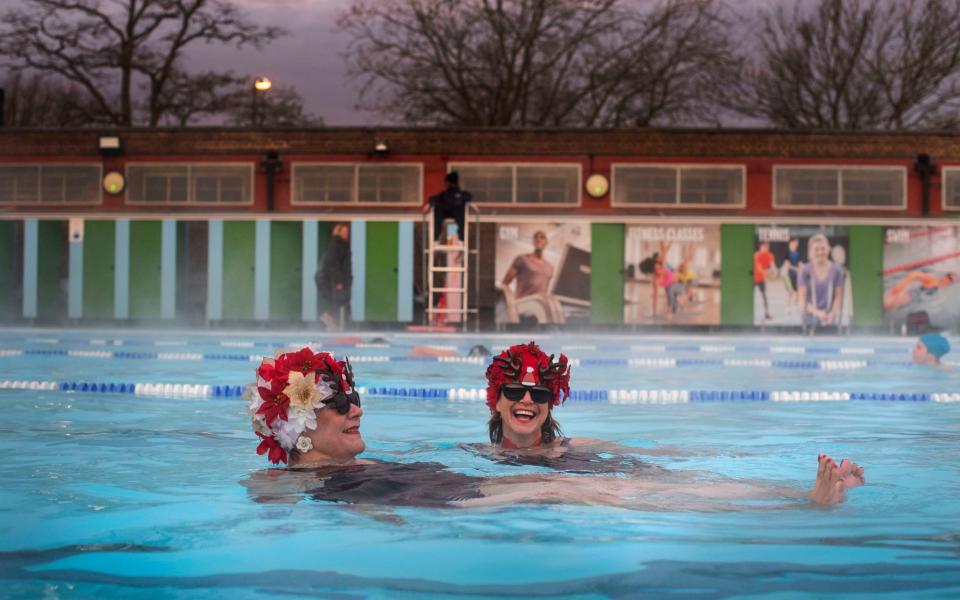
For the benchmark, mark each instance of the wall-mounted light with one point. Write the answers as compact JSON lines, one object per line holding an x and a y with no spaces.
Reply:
{"x":597,"y":186}
{"x":380,"y":147}
{"x":109,"y":145}
{"x":114,"y":182}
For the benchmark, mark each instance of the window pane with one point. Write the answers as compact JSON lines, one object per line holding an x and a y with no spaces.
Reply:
{"x":951,"y":198}
{"x":221,"y":184}
{"x":74,"y":184}
{"x":323,"y":183}
{"x":807,"y":187}
{"x":157,"y":183}
{"x":711,"y":186}
{"x":487,"y":183}
{"x":389,"y":183}
{"x":872,"y":187}
{"x":555,"y":185}
{"x":645,"y":185}
{"x":19,"y":184}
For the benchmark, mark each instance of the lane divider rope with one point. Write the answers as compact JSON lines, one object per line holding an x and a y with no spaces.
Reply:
{"x":653,"y":348}
{"x":614,"y":396}
{"x":577,"y":362}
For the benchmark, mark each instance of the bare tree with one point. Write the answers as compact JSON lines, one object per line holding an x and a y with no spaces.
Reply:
{"x":536,"y":62}
{"x":855,"y":64}
{"x":35,"y":101}
{"x":109,"y":47}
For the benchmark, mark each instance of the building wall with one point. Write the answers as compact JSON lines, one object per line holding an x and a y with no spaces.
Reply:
{"x":594,"y":150}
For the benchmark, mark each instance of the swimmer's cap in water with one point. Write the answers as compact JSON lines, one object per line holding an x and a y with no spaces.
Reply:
{"x":528,"y":361}
{"x":288,"y":389}
{"x":936,"y":344}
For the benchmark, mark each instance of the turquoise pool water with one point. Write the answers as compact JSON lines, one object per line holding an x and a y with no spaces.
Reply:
{"x":118,"y":495}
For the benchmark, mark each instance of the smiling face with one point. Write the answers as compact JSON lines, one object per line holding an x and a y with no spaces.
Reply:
{"x":337,"y":437}
{"x":522,"y":419}
{"x":819,"y":249}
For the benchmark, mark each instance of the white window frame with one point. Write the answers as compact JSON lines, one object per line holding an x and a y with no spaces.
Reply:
{"x":454,"y":166}
{"x":678,"y":168}
{"x":354,"y":201}
{"x":946,"y":171}
{"x":40,"y":166}
{"x":190,"y":184}
{"x":840,"y":205}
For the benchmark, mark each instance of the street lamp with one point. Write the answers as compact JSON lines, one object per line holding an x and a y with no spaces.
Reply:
{"x":260,"y":85}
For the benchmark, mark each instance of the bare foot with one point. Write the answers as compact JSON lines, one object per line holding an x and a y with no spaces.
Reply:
{"x":833,"y":480}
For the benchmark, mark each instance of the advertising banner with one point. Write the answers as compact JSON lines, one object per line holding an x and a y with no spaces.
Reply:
{"x":543,"y":273}
{"x":672,"y":274}
{"x":920,"y":269}
{"x":800,"y":276}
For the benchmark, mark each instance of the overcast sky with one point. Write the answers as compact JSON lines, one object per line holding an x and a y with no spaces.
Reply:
{"x":309,"y":58}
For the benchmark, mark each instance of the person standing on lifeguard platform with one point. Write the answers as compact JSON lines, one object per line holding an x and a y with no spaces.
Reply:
{"x":451,"y":203}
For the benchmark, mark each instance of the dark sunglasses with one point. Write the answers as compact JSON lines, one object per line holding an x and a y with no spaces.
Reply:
{"x":342,"y":401}
{"x":515,"y":391}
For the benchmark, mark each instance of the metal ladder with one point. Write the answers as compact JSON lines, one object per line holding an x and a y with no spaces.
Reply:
{"x":469,"y":255}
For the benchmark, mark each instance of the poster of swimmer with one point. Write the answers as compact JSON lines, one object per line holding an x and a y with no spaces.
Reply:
{"x":672,"y":274}
{"x":801,"y":276}
{"x":920,"y":270}
{"x":542,"y":273}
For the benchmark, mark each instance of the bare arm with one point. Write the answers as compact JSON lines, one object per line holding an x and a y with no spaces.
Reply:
{"x":510,"y":276}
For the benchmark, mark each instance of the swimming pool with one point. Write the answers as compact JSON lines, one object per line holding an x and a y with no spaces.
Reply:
{"x":125,"y":495}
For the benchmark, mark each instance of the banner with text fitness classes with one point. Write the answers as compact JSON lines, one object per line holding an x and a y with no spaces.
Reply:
{"x":543,"y":273}
{"x":672,"y":274}
{"x":920,"y":270}
{"x":801,"y":277}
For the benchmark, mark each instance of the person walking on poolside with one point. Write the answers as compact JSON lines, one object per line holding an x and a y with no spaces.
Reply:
{"x":929,"y":349}
{"x":334,"y":277}
{"x":762,"y":261}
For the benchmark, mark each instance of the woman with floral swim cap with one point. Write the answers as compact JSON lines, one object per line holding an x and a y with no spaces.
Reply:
{"x":306,"y":412}
{"x":524,"y":384}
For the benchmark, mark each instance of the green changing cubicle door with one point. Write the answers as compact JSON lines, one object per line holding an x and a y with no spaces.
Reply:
{"x":606,"y":273}
{"x":51,"y":269}
{"x":286,"y":270}
{"x":866,"y":274}
{"x":736,"y":279}
{"x":98,"y":269}
{"x":9,"y":272}
{"x":146,"y":246}
{"x":380,"y":295}
{"x":239,"y":282}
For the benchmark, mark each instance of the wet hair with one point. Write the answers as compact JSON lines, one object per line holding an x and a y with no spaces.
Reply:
{"x":549,"y":431}
{"x":479,"y":350}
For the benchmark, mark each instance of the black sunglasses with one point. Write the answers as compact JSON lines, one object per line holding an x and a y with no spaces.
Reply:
{"x":515,"y":391}
{"x":342,"y":401}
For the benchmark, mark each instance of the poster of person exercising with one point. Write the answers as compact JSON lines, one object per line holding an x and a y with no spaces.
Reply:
{"x":801,"y":276}
{"x":543,"y":273}
{"x":920,"y":270}
{"x":672,"y":274}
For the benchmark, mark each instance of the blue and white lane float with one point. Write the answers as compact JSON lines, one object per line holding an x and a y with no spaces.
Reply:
{"x":890,"y":347}
{"x":618,"y":396}
{"x":636,"y":363}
